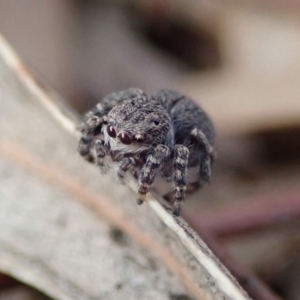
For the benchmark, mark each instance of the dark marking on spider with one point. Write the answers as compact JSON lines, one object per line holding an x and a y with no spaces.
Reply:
{"x":160,"y":136}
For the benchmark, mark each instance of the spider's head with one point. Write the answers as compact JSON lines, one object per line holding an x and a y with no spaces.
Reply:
{"x":135,"y":126}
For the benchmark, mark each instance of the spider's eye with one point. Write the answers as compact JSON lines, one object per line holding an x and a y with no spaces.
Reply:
{"x":156,"y":122}
{"x":125,"y":138}
{"x":139,"y":139}
{"x":111,"y":132}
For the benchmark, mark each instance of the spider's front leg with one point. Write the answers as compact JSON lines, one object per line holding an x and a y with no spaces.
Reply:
{"x":180,"y":176}
{"x":147,"y":174}
{"x":101,"y":151}
{"x":89,"y":128}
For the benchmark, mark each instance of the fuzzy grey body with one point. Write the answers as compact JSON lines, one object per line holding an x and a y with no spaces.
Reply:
{"x":162,"y":135}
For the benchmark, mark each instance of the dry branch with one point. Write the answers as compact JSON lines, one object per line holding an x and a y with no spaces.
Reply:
{"x":67,"y":249}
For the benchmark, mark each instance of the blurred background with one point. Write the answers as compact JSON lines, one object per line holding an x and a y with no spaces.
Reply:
{"x":239,"y":59}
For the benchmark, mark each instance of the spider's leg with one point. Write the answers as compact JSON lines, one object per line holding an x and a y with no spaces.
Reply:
{"x":207,"y":157}
{"x":147,"y":174}
{"x":125,"y":165}
{"x":89,"y":128}
{"x":180,"y":176}
{"x":100,"y":150}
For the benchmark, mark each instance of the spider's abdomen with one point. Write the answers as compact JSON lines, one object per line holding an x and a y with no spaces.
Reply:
{"x":185,"y":115}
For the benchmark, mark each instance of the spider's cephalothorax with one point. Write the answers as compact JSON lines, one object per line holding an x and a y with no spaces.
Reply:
{"x":163,"y":135}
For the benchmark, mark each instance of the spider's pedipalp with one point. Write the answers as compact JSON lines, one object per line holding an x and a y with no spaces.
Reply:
{"x":126,"y":164}
{"x":180,"y":176}
{"x":147,"y":174}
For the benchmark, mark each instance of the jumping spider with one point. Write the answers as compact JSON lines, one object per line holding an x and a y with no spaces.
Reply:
{"x":162,"y":135}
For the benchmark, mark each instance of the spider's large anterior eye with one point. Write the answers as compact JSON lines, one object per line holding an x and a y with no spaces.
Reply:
{"x":111,"y":132}
{"x":125,"y":138}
